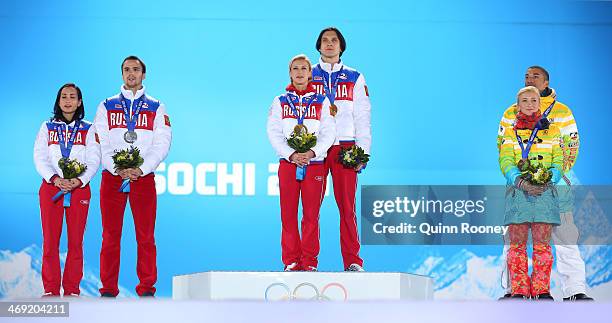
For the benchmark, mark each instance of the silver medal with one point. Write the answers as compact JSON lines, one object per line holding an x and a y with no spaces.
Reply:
{"x":130,"y":137}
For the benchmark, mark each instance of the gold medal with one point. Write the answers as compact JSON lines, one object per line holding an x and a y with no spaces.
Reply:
{"x":333,"y":109}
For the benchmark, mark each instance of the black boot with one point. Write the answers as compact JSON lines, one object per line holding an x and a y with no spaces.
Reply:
{"x":578,"y":297}
{"x":506,"y":297}
{"x":544,"y":297}
{"x":519,"y":297}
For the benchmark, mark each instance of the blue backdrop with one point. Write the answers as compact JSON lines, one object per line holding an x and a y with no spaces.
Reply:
{"x":439,"y":74}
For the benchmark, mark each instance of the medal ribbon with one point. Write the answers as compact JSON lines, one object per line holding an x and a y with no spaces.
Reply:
{"x":331,"y":93}
{"x":300,"y":172}
{"x":525,"y":150}
{"x":130,"y":122}
{"x":300,"y":117}
{"x":66,"y":147}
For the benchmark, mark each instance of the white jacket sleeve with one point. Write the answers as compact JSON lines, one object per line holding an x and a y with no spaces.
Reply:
{"x":92,"y":156}
{"x":327,"y":131}
{"x":362,"y":115}
{"x":162,"y":138}
{"x":101,"y":128}
{"x":275,"y":131}
{"x":41,"y":154}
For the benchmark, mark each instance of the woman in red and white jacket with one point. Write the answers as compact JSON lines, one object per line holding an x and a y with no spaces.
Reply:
{"x":65,"y":135}
{"x":302,"y":106}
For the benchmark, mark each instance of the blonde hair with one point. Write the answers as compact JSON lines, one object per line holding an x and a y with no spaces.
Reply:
{"x":525,"y":90}
{"x":298,"y":57}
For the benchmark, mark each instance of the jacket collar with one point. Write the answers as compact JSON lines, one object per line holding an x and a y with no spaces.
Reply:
{"x":327,"y":67}
{"x":546,"y":101}
{"x":129,"y":95}
{"x":309,"y":89}
{"x":70,"y":124}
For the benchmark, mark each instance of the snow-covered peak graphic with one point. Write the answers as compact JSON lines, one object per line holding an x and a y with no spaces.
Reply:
{"x":20,"y":275}
{"x":466,"y":276}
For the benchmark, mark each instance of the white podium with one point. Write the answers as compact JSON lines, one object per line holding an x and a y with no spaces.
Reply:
{"x":273,"y":286}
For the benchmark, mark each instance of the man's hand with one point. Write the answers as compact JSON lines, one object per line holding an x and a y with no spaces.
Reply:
{"x":124,"y":173}
{"x":134,"y":173}
{"x":359,"y":167}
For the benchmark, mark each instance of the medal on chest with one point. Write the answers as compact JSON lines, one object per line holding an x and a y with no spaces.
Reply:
{"x":130,"y":135}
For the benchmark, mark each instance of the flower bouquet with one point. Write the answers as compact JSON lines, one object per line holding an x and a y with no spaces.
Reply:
{"x":71,"y":168}
{"x":301,"y":141}
{"x":536,"y":174}
{"x":124,"y":159}
{"x":352,"y":156}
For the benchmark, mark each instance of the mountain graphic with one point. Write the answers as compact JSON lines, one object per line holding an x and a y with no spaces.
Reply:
{"x":463,"y":276}
{"x":466,"y":276}
{"x":20,"y":275}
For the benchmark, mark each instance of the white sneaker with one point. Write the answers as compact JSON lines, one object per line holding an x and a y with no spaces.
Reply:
{"x":292,"y":267}
{"x":354,"y":267}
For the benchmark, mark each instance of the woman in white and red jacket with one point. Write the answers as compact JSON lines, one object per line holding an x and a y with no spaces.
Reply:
{"x":65,"y":135}
{"x":301,"y":105}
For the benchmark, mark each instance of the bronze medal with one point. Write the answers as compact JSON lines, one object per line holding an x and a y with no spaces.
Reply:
{"x":300,"y":129}
{"x":333,"y":109}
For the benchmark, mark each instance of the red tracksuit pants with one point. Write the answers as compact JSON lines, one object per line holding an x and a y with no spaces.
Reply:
{"x":304,"y":250}
{"x":345,"y":186}
{"x":52,"y":218}
{"x":143,"y":203}
{"x":542,"y":259}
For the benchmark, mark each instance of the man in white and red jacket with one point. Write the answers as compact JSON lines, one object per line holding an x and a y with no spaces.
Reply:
{"x":150,"y":132}
{"x":347,"y":92}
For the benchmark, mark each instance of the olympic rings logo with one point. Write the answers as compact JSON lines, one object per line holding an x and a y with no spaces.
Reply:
{"x":292,"y":295}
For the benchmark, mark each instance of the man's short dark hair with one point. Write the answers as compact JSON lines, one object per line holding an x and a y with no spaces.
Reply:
{"x":340,"y":37}
{"x":134,"y":58}
{"x":544,"y":71}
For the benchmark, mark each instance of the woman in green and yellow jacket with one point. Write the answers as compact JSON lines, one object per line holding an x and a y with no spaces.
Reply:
{"x":530,"y":206}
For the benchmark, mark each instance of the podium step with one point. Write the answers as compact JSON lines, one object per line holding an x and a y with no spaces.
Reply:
{"x":277,"y":286}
